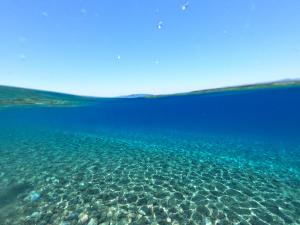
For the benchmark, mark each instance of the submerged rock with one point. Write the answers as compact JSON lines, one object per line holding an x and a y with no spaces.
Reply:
{"x":64,"y":223}
{"x":34,"y":196}
{"x":93,"y":222}
{"x":35,"y":215}
{"x":72,"y":216}
{"x":83,"y":218}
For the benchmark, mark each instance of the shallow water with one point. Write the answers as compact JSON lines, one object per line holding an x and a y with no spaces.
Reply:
{"x":210,"y":159}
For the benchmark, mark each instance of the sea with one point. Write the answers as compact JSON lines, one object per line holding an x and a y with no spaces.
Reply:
{"x":229,"y":157}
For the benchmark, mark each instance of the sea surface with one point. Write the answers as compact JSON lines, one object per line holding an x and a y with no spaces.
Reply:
{"x":219,"y":158}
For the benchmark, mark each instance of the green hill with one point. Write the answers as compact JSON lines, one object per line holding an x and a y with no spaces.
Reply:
{"x":13,"y":96}
{"x":277,"y":84}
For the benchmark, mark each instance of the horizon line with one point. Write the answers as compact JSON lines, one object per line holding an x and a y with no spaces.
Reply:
{"x":284,"y":80}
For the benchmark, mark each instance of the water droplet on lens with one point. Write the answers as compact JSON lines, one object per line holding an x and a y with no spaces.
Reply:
{"x":45,"y":14}
{"x":83,"y":11}
{"x":160,"y":25}
{"x":22,"y":57}
{"x":185,"y":6}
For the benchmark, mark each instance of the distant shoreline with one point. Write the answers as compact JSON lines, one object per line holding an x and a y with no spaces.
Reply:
{"x":265,"y":85}
{"x":14,"y":96}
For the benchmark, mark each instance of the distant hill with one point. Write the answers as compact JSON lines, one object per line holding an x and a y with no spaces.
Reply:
{"x":286,"y":83}
{"x":13,"y":96}
{"x":136,"y":96}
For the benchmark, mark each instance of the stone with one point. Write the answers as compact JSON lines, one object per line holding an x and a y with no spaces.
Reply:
{"x":83,"y":218}
{"x":72,"y":216}
{"x":34,"y":196}
{"x":93,"y":221}
{"x":105,"y":223}
{"x":36,"y":215}
{"x":64,"y":223}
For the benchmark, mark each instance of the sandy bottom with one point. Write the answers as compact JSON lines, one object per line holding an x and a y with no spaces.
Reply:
{"x":65,"y":179}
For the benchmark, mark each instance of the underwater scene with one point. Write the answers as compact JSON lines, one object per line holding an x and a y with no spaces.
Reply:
{"x":213,"y":158}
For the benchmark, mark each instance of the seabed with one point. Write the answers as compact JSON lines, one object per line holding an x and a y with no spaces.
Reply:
{"x":75,"y":178}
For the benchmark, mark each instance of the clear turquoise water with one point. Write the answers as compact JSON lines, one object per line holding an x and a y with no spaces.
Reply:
{"x":207,"y":159}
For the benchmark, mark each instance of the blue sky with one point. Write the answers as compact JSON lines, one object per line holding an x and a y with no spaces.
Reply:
{"x":117,"y":47}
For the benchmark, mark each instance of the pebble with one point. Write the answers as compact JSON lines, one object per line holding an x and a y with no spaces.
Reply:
{"x":36,"y":215}
{"x":104,"y":223}
{"x":72,"y":216}
{"x":34,"y":196}
{"x":207,"y":221}
{"x":93,"y":222}
{"x":83,"y":218}
{"x":64,"y":223}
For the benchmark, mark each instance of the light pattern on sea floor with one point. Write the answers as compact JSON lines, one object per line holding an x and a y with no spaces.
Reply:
{"x":90,"y":179}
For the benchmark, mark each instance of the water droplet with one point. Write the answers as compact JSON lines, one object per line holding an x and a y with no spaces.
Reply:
{"x":22,"y":57}
{"x":185,"y":6}
{"x":83,"y":11}
{"x":160,"y":25}
{"x":45,"y":14}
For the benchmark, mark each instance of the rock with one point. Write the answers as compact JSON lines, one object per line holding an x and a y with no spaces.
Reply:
{"x":34,"y":196}
{"x":36,"y":215}
{"x":72,"y":216}
{"x":93,"y":222}
{"x":207,"y":221}
{"x":83,"y":218}
{"x":105,"y":223}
